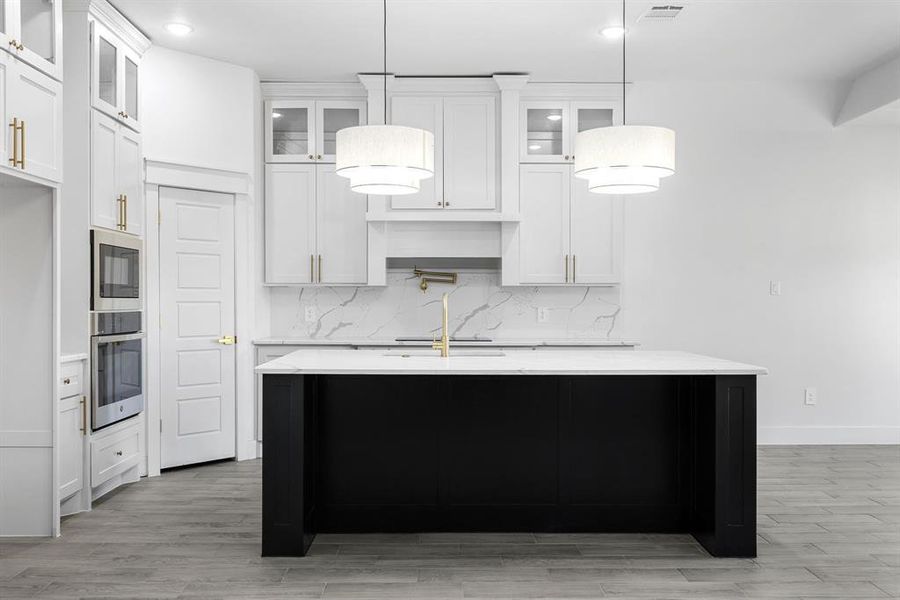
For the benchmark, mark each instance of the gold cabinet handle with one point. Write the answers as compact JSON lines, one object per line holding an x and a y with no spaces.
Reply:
{"x":22,"y":144}
{"x":573,"y":268}
{"x":14,"y":126}
{"x":318,"y":157}
{"x":227,"y":340}
{"x":119,"y":212}
{"x":312,"y":268}
{"x":84,"y":415}
{"x":320,"y":268}
{"x":310,"y":157}
{"x":566,"y":262}
{"x":124,"y":212}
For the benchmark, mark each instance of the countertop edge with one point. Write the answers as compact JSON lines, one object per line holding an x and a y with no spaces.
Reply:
{"x":524,"y":343}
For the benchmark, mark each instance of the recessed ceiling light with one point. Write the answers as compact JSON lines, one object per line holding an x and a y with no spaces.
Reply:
{"x":613,"y":33}
{"x":534,"y":147}
{"x":554,"y":117}
{"x":276,"y":115}
{"x":179,"y":28}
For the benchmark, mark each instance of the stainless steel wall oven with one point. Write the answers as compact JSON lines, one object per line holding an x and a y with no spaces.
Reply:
{"x":117,"y":367}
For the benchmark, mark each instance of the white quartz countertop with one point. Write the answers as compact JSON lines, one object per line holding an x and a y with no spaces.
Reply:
{"x":563,"y":362}
{"x":516,"y":343}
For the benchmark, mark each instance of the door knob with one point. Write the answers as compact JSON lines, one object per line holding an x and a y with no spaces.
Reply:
{"x":228,"y":340}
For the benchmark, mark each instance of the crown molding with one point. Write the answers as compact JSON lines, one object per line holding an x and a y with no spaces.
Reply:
{"x":115,"y":21}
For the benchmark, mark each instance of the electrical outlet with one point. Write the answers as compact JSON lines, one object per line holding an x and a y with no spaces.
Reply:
{"x":775,"y":288}
{"x":810,"y":396}
{"x":310,"y":314}
{"x":543,"y":314}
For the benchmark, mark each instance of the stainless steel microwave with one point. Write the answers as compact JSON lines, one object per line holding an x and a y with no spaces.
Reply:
{"x":115,"y":271}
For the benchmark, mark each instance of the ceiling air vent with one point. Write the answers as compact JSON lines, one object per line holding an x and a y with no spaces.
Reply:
{"x":661,"y":13}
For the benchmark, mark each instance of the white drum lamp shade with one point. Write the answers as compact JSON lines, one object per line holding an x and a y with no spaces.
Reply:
{"x":624,"y":159}
{"x":384,"y":159}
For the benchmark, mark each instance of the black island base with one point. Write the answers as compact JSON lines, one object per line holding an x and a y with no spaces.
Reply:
{"x":517,"y":453}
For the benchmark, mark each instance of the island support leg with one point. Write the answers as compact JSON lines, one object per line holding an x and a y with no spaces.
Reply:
{"x":724,"y":506}
{"x":289,"y":429}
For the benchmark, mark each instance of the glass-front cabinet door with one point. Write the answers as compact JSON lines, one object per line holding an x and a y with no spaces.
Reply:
{"x":130,"y":110}
{"x":290,"y":131}
{"x":332,"y":116}
{"x":544,"y":131}
{"x":6,"y":37}
{"x":589,"y":115}
{"x":39,"y":35}
{"x":105,"y":83}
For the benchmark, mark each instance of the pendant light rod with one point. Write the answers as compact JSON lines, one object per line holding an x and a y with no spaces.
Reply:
{"x":384,"y":47}
{"x":624,"y":34}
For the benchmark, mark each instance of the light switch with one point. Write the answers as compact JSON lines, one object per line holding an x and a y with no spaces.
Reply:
{"x":810,"y":396}
{"x":311,"y":314}
{"x":543,"y":314}
{"x":775,"y":288}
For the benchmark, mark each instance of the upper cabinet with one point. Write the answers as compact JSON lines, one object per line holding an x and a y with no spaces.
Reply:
{"x":116,"y":176}
{"x":548,"y":127}
{"x":31,"y":107}
{"x":303,"y":131}
{"x":31,"y":30}
{"x":315,"y":227}
{"x":465,"y":151}
{"x":115,"y":77}
{"x":567,"y":234}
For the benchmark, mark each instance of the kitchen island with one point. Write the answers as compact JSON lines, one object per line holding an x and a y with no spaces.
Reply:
{"x":562,"y":441}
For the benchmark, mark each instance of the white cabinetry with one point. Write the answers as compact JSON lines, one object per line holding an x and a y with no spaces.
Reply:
{"x":115,"y":70}
{"x":465,"y":148}
{"x":303,"y":131}
{"x":567,"y":235}
{"x":116,"y":175}
{"x":547,"y":128}
{"x":31,"y":106}
{"x":315,"y":227}
{"x":31,"y":30}
{"x":72,"y":428}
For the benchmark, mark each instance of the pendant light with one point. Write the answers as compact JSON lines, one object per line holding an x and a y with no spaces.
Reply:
{"x":387,"y":160}
{"x":624,"y":159}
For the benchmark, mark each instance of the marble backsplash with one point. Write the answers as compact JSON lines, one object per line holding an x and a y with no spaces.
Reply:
{"x":479,"y":307}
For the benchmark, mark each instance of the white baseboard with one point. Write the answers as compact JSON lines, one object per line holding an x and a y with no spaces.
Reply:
{"x":247,"y":451}
{"x":817,"y":435}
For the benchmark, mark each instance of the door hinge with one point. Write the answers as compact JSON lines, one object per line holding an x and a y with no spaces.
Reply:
{"x":159,"y":216}
{"x":160,"y":425}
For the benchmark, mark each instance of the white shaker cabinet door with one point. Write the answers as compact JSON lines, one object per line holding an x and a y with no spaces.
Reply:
{"x":6,"y":136}
{"x":36,"y":100}
{"x":105,"y":209}
{"x":424,"y":113}
{"x":290,"y":223}
{"x":596,"y":229}
{"x":341,"y":230}
{"x":544,"y":228}
{"x":71,"y":462}
{"x":469,"y":150}
{"x":129,"y":179}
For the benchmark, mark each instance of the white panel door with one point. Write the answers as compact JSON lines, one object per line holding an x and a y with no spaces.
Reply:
{"x":544,"y":228}
{"x":197,"y":379}
{"x":290,"y":223}
{"x":596,"y":235}
{"x":341,"y":230}
{"x":129,"y":179}
{"x":470,"y":147}
{"x":104,"y":192}
{"x":424,"y":113}
{"x":36,"y":99}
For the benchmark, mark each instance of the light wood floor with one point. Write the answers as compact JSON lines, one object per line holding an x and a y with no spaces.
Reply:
{"x":829,"y":527}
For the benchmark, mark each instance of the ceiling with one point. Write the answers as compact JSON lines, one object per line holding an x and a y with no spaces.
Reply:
{"x":554,"y":40}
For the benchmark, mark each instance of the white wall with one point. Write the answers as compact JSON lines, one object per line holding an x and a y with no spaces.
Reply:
{"x":766,"y":189}
{"x":198,"y":111}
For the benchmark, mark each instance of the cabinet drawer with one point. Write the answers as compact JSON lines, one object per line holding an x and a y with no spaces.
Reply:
{"x":115,"y":454}
{"x":70,"y":383}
